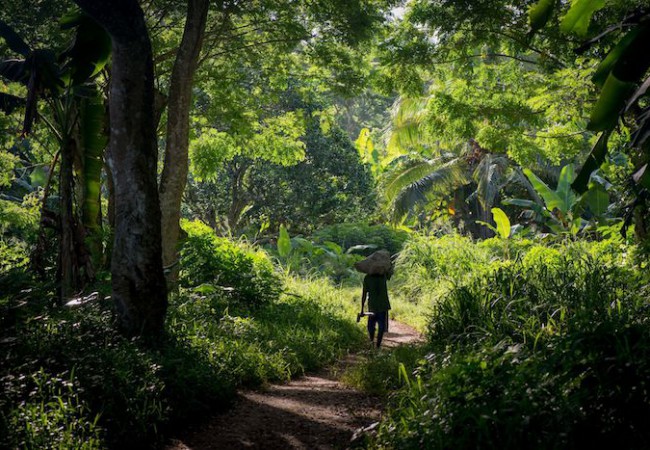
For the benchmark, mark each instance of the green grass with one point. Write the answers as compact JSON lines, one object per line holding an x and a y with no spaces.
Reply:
{"x":378,"y":372}
{"x":71,"y":381}
{"x":541,"y":346}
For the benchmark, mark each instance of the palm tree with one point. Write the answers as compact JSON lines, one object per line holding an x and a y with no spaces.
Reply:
{"x":467,"y":177}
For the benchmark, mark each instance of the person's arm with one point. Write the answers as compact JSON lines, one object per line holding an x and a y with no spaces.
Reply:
{"x":364,"y":293}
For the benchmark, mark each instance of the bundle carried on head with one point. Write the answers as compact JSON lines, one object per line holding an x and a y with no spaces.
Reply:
{"x":378,"y":263}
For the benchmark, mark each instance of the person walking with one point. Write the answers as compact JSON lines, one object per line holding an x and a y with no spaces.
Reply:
{"x":375,"y":292}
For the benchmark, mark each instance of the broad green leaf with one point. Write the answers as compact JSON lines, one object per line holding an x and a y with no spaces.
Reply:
{"x":364,"y":143}
{"x":551,"y":199}
{"x":606,"y":66}
{"x":579,"y":15}
{"x":284,"y":242}
{"x":610,"y":103}
{"x":564,"y":190}
{"x":540,"y":13}
{"x":593,"y":162}
{"x":334,"y":247}
{"x":90,"y":50}
{"x":302,"y":244}
{"x":38,"y":177}
{"x":205,"y":288}
{"x":597,"y":200}
{"x":502,"y":221}
{"x":575,"y":225}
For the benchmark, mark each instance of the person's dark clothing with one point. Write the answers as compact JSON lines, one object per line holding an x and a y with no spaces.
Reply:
{"x":374,"y":286}
{"x":379,"y":319}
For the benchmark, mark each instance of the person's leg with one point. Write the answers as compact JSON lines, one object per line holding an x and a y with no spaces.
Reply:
{"x":372,"y":322}
{"x":381,"y":319}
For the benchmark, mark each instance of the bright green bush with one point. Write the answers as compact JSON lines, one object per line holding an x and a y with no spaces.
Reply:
{"x":351,"y":234}
{"x":212,"y":347}
{"x":245,"y":273}
{"x":427,"y":268}
{"x":549,"y":350}
{"x":426,"y":260}
{"x":379,"y":374}
{"x":53,"y":416}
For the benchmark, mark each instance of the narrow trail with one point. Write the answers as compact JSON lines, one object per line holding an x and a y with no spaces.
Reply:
{"x":311,"y":412}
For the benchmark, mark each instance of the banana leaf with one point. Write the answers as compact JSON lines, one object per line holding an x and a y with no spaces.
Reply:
{"x":91,"y":49}
{"x":610,"y":104}
{"x":593,"y":162}
{"x":564,"y":190}
{"x":550,"y":197}
{"x":284,"y":242}
{"x":91,"y":124}
{"x":606,"y":66}
{"x":579,"y":15}
{"x":502,"y":221}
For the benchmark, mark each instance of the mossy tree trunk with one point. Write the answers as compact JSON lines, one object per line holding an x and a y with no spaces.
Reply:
{"x":139,"y":289}
{"x":174,"y":174}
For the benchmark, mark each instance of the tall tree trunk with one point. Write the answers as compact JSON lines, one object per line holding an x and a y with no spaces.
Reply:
{"x":110,"y":210}
{"x":69,"y":265}
{"x":139,"y":288}
{"x":238,"y":203}
{"x":174,"y":174}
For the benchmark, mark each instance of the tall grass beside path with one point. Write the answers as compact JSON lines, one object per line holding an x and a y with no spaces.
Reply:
{"x":69,"y":370}
{"x":546,"y":348}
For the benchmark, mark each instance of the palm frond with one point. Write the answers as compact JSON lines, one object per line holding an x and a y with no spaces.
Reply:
{"x":405,"y":130}
{"x":490,"y":176}
{"x":411,"y":171}
{"x":413,"y":184}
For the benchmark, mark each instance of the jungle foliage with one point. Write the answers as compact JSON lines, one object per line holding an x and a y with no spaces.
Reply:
{"x":498,"y":149}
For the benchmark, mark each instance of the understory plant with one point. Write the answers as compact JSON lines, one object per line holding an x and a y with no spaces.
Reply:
{"x":547,"y":351}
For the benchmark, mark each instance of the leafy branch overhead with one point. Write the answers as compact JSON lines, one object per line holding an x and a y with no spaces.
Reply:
{"x":619,"y":76}
{"x":275,"y":139}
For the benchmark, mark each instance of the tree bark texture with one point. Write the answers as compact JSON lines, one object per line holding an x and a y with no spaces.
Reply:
{"x":174,"y":174}
{"x":139,"y":288}
{"x":69,"y":264}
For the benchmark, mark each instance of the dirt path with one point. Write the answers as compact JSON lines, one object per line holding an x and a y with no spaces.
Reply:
{"x":311,"y":412}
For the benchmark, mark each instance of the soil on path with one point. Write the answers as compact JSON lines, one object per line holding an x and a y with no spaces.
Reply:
{"x":311,"y":412}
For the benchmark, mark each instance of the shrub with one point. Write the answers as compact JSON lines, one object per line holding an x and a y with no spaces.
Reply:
{"x":550,"y":350}
{"x":113,"y":378}
{"x":351,"y":234}
{"x":380,"y":373}
{"x":245,"y":273}
{"x":53,"y":416}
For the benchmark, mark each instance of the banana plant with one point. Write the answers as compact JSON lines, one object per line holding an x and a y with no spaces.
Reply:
{"x":74,"y":113}
{"x":503,"y":229}
{"x":561,"y":209}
